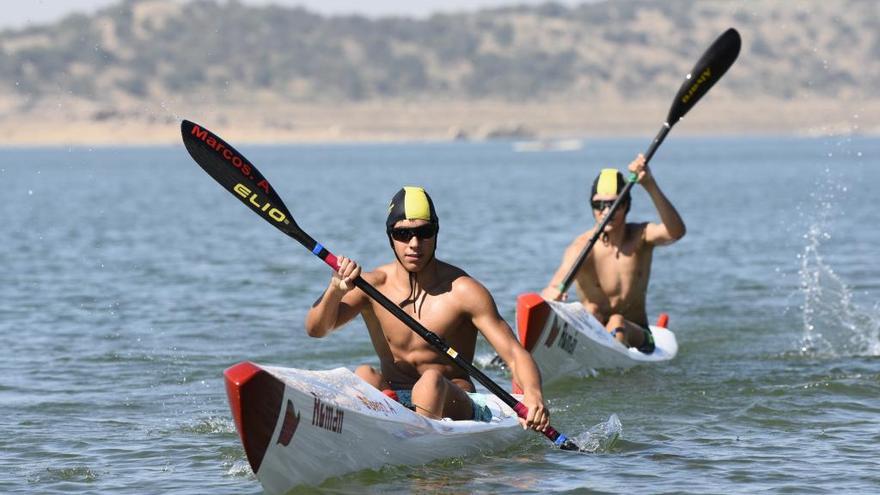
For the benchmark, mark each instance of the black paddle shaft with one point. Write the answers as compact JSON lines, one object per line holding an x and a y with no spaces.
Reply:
{"x":239,"y":176}
{"x":708,"y":70}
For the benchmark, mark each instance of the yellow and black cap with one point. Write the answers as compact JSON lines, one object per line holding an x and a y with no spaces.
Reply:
{"x":410,"y":203}
{"x":610,"y":182}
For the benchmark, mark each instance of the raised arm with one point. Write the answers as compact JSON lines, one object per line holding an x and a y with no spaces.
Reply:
{"x":671,"y":227}
{"x":484,"y":315}
{"x":339,"y":303}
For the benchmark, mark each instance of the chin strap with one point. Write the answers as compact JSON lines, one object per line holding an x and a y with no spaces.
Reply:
{"x":413,"y":280}
{"x":413,"y":296}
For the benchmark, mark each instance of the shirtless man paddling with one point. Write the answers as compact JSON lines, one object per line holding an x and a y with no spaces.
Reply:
{"x":441,"y":297}
{"x":612,"y":283}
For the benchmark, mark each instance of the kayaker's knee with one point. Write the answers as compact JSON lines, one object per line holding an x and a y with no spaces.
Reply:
{"x":369,"y":374}
{"x":431,"y":381}
{"x":429,"y":393}
{"x":594,"y":309}
{"x":615,"y":321}
{"x":430,"y":385}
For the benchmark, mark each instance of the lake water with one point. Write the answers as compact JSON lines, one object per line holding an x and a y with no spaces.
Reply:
{"x":131,"y":280}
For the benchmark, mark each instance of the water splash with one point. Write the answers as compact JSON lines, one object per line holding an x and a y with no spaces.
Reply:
{"x":490,"y":361}
{"x":602,"y":437}
{"x":239,"y":468}
{"x":833,"y":324}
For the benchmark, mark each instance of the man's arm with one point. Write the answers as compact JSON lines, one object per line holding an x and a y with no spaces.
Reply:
{"x":339,"y":303}
{"x":484,"y":316}
{"x":552,"y":291}
{"x":671,"y":227}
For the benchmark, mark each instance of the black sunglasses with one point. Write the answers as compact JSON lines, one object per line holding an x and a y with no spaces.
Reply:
{"x":601,"y":204}
{"x":402,"y":234}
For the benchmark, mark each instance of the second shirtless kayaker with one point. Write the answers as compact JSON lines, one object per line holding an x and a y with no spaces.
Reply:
{"x":612,"y":283}
{"x":444,"y":299}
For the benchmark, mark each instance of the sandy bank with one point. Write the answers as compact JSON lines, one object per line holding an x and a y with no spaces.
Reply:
{"x":77,"y":123}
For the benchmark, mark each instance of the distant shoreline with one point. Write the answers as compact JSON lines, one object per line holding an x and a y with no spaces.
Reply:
{"x":78,"y":124}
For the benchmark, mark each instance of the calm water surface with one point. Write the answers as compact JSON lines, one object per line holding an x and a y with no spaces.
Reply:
{"x":130,"y":281}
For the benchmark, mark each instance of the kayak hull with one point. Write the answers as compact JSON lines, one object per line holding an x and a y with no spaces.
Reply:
{"x":568,"y":341}
{"x":300,"y":427}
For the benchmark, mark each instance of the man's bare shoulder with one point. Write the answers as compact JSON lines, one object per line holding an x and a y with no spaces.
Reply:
{"x":637,"y":226}
{"x":451,"y":275}
{"x":467,"y":291}
{"x":584,"y":237}
{"x":378,"y":276}
{"x":580,"y":241}
{"x":637,"y":231}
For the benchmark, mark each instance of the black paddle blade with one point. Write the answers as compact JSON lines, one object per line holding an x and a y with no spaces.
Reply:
{"x":709,"y":69}
{"x":237,"y":175}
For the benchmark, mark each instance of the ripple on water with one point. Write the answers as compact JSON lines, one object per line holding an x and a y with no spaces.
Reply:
{"x":117,"y":332}
{"x":211,"y":425}
{"x":80,"y":474}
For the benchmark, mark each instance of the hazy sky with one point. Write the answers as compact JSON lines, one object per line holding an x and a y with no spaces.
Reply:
{"x":20,"y":13}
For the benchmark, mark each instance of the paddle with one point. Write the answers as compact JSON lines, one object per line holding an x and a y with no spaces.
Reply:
{"x":236,"y":174}
{"x":709,"y":69}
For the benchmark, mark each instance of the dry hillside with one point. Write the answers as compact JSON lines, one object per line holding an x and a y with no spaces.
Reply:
{"x":129,"y":72}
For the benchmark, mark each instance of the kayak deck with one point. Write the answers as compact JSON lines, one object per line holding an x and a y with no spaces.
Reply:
{"x":566,"y":340}
{"x":300,"y":427}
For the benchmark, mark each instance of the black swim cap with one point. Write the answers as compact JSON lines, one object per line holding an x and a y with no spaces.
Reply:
{"x":410,"y":203}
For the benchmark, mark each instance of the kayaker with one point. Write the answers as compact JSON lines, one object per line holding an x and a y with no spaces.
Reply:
{"x":612,"y":283}
{"x":444,"y":299}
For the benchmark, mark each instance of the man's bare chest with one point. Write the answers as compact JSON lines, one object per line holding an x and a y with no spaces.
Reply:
{"x":439,"y":314}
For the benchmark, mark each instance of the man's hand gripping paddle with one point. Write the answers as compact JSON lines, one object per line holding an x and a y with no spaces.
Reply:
{"x":240,"y":177}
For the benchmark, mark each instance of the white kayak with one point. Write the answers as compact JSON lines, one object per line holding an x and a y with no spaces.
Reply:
{"x":566,"y":340}
{"x":300,"y":427}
